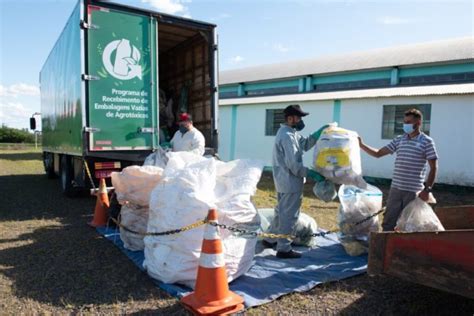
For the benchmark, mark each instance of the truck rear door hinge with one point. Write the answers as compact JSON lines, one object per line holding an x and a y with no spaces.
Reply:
{"x":89,"y":77}
{"x":91,"y":129}
{"x":87,"y":26}
{"x":146,"y":130}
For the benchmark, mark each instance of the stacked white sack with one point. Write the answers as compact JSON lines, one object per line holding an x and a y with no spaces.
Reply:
{"x":236,"y":182}
{"x":192,"y":185}
{"x":133,"y":186}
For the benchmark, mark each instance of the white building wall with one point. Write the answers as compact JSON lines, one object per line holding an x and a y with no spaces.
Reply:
{"x":452,"y":128}
{"x":452,"y":119}
{"x":251,"y":141}
{"x":225,"y":119}
{"x":452,"y":123}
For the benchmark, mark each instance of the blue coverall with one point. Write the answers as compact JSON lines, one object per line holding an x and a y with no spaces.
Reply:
{"x":288,"y":175}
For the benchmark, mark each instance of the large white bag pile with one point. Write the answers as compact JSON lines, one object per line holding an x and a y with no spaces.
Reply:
{"x":158,"y":158}
{"x":337,"y":156}
{"x":133,"y":186}
{"x":305,"y":226}
{"x":192,"y":185}
{"x":356,"y":205}
{"x":418,"y":216}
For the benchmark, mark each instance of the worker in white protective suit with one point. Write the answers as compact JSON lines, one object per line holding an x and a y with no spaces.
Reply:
{"x":188,"y":138}
{"x":289,"y":176}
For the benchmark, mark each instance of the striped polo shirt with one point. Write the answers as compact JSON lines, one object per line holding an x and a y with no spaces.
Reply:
{"x":410,"y":164}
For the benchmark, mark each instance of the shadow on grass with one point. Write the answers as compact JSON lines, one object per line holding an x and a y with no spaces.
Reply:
{"x":175,"y":310}
{"x":26,"y":197}
{"x":64,"y":261}
{"x":21,"y":156}
{"x":386,"y":295}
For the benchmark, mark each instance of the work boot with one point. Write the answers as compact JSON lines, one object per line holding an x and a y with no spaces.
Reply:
{"x":288,"y":254}
{"x":267,"y":244}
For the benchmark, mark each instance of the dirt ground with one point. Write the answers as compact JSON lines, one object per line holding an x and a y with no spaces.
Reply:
{"x":51,"y":262}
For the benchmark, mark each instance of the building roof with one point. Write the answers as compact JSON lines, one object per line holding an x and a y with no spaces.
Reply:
{"x":451,"y":89}
{"x":461,"y":49}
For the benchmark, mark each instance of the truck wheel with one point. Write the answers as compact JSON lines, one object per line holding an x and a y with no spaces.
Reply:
{"x":48,"y":161}
{"x":67,"y":176}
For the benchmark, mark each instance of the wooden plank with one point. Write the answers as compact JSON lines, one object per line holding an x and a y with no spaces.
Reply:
{"x":186,"y":63}
{"x":186,"y":44}
{"x":169,"y":32}
{"x":376,"y":253}
{"x":178,"y":30}
{"x":456,"y":217}
{"x":442,"y":260}
{"x":203,"y":78}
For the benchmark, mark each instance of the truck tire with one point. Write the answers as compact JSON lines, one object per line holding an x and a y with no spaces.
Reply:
{"x":67,"y":176}
{"x":48,"y":161}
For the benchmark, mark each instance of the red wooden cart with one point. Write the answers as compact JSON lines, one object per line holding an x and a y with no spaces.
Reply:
{"x":442,"y":260}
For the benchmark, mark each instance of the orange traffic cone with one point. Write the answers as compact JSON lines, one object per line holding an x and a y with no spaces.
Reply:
{"x":101,"y":206}
{"x":212,"y":295}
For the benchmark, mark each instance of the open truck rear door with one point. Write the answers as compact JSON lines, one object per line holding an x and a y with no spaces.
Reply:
{"x":121,"y":80}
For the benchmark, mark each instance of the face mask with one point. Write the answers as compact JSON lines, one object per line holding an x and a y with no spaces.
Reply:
{"x":408,"y":128}
{"x":299,"y":126}
{"x":183,"y":129}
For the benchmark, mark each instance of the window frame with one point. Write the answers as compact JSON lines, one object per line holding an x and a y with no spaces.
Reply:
{"x":425,"y":108}
{"x":275,"y":124}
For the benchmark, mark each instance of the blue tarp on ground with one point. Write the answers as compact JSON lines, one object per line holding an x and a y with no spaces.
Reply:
{"x":269,"y":277}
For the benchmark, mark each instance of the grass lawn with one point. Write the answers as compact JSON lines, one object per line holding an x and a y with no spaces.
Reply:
{"x":51,"y":262}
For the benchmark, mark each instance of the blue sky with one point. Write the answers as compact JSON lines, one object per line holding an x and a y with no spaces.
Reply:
{"x":250,"y":33}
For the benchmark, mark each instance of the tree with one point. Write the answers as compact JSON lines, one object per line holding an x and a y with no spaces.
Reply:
{"x":13,"y":135}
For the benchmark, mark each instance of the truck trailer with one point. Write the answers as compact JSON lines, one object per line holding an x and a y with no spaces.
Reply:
{"x":114,"y":84}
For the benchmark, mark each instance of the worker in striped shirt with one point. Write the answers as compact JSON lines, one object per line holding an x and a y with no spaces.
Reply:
{"x":413,"y":149}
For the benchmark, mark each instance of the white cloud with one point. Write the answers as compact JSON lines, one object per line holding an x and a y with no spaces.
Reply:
{"x":17,"y":103}
{"x":170,"y":6}
{"x":236,"y":59}
{"x":393,"y":20}
{"x":19,"y":89}
{"x":17,"y":114}
{"x":279,"y":47}
{"x":13,"y":110}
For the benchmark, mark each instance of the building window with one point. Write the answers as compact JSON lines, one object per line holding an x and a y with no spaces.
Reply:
{"x":352,"y":85}
{"x":272,"y":91}
{"x":393,"y":115}
{"x":437,"y":79}
{"x":274,"y":118}
{"x":228,"y":95}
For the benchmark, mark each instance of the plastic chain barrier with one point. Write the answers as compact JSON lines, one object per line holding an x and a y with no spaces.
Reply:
{"x":241,"y":232}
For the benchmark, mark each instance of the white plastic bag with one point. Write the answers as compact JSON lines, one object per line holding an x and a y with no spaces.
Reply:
{"x":133,"y":186}
{"x":337,"y":156}
{"x":325,"y":190}
{"x":134,"y":218}
{"x":135,"y":183}
{"x":192,"y":185}
{"x":158,"y":158}
{"x":356,"y":205}
{"x":418,"y":216}
{"x":305,"y":226}
{"x":236,"y":182}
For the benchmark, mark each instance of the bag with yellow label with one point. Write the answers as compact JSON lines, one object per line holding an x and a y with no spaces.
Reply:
{"x":337,"y":156}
